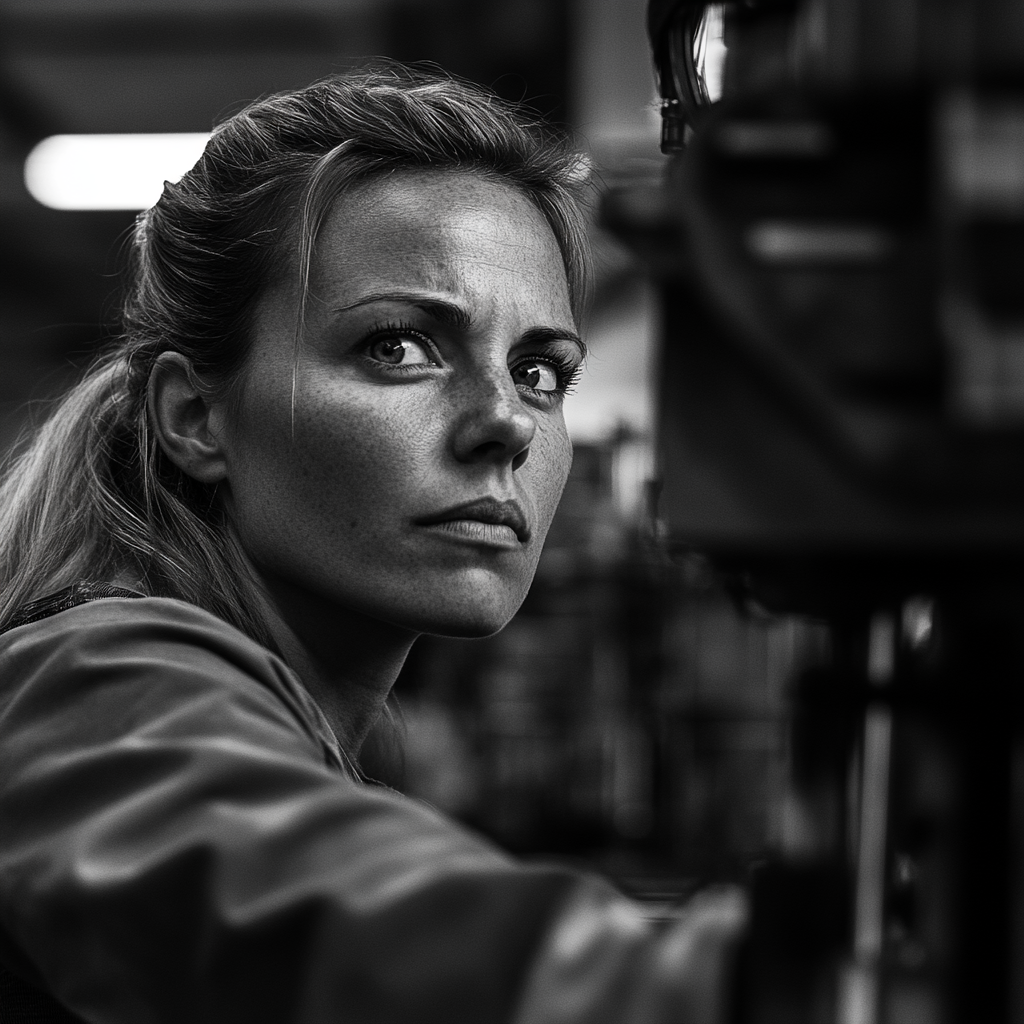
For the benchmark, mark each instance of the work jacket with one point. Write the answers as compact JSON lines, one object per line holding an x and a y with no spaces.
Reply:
{"x":181,"y":841}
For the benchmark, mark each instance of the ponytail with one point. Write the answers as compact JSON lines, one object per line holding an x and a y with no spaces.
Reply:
{"x":90,"y":498}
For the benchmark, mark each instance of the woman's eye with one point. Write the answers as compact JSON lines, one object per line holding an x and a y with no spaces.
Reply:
{"x":537,"y":376}
{"x":400,"y":351}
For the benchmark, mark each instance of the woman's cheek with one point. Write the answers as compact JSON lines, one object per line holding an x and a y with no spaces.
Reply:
{"x":553,"y":457}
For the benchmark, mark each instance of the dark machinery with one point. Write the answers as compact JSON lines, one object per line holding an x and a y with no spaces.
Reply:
{"x":839,"y":248}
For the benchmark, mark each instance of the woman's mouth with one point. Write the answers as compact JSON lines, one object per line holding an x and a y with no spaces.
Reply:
{"x":486,"y":521}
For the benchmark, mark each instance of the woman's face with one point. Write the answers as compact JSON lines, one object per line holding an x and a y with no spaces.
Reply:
{"x":428,"y":450}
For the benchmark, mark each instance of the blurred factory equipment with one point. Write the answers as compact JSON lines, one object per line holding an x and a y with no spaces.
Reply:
{"x":839,"y":249}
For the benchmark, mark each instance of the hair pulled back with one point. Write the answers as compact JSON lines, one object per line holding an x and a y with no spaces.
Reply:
{"x":93,"y":497}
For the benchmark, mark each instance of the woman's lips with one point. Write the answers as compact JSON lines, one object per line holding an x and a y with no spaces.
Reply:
{"x":476,"y":532}
{"x":483,"y":520}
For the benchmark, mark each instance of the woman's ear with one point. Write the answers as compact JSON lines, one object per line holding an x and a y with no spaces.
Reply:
{"x":186,"y":423}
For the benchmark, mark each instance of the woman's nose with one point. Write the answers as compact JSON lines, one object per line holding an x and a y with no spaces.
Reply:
{"x":494,"y":425}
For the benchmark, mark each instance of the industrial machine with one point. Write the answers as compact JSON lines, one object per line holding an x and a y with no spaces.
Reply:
{"x":838,"y":245}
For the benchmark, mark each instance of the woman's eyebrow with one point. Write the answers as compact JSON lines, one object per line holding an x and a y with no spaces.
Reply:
{"x":451,"y":314}
{"x":444,"y":311}
{"x":542,"y":335}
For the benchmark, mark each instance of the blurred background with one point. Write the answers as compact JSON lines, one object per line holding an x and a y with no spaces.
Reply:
{"x":631,"y":716}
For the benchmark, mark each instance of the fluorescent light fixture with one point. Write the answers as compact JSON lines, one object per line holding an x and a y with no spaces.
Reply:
{"x":109,"y":172}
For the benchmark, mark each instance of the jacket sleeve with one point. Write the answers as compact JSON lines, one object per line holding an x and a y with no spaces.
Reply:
{"x":174,"y":848}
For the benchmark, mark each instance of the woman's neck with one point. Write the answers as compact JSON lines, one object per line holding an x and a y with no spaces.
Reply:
{"x":347,"y":662}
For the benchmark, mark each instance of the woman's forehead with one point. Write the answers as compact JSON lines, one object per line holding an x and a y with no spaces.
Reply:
{"x":440,"y":232}
{"x":432,"y":210}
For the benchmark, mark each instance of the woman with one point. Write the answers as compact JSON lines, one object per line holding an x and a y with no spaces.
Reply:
{"x":333,"y":423}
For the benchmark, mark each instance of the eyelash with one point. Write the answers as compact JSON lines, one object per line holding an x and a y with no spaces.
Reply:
{"x":567,"y":369}
{"x":387,"y":328}
{"x":399,"y":329}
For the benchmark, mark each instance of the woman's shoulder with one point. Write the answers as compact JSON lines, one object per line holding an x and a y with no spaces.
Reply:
{"x":109,"y":621}
{"x":85,"y":640}
{"x":64,"y":599}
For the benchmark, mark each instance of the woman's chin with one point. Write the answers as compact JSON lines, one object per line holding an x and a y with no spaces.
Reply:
{"x":476,"y":630}
{"x":468,"y":618}
{"x":467,"y":627}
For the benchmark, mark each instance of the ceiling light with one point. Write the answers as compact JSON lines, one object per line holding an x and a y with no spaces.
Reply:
{"x":108,"y":172}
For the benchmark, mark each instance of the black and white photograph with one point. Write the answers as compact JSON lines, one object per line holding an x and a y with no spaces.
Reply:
{"x":511,"y":512}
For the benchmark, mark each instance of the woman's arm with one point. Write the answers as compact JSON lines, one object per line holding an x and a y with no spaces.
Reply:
{"x":174,"y":848}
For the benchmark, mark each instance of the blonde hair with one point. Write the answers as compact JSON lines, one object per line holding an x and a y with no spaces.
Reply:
{"x":92,"y":496}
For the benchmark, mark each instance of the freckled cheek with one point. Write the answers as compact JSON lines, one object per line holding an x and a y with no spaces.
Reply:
{"x":551,"y":458}
{"x":358,"y":464}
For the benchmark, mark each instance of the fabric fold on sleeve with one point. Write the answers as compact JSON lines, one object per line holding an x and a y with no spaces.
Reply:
{"x":177,"y":844}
